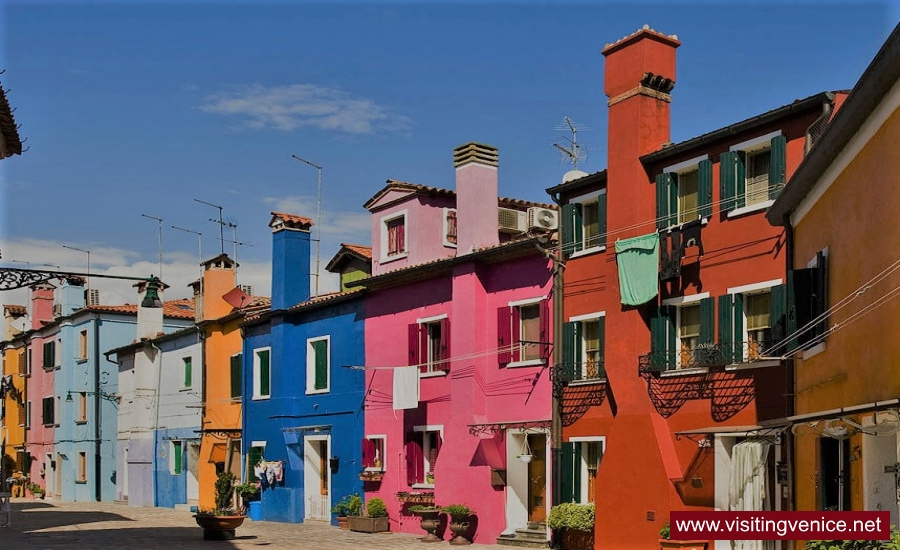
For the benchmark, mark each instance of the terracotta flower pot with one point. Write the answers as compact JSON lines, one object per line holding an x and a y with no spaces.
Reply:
{"x":219,"y":527}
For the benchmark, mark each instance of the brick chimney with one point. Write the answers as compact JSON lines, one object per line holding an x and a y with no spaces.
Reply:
{"x":476,"y":196}
{"x":219,"y":277}
{"x":639,"y":75}
{"x":290,"y":259}
{"x":41,"y":304}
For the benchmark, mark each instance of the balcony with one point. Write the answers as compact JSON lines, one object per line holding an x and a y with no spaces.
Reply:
{"x":587,"y":372}
{"x":706,"y":356}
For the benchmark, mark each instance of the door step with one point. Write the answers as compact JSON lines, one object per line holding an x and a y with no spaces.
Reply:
{"x":534,"y":536}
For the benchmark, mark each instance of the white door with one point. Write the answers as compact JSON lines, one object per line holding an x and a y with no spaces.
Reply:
{"x":193,"y":483}
{"x":317,"y":477}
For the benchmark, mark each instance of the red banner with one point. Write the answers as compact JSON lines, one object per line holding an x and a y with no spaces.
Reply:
{"x":780,"y":526}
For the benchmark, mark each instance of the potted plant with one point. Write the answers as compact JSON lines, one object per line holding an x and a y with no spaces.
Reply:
{"x":249,"y":494}
{"x":459,"y":522}
{"x":220,"y":522}
{"x":375,"y":519}
{"x":573,"y":525}
{"x":350,"y":505}
{"x":430,"y":520}
{"x":665,"y":542}
{"x":36,"y":490}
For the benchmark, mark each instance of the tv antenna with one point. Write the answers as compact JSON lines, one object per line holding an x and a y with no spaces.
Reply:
{"x":220,"y":221}
{"x":573,"y":151}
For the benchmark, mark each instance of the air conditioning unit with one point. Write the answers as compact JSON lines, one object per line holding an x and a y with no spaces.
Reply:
{"x":248,"y":289}
{"x":512,"y":221}
{"x":542,"y":218}
{"x":92,"y":297}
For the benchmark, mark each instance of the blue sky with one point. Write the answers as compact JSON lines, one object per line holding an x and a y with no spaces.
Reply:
{"x":133,"y":109}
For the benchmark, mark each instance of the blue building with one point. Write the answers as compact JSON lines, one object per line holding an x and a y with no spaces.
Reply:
{"x":303,"y":415}
{"x":86,"y":388}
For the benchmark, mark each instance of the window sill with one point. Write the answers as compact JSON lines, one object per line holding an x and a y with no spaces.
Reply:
{"x":753,"y":365}
{"x":748,"y":209}
{"x":317,"y":392}
{"x":588,"y":251}
{"x":261,"y":397}
{"x":529,"y":363}
{"x":422,"y":485}
{"x":81,"y":481}
{"x":186,"y":389}
{"x":80,"y":360}
{"x":433,"y":374}
{"x":813,"y":351}
{"x":588,"y":381}
{"x":683,"y":372}
{"x":81,"y":422}
{"x":395,"y":257}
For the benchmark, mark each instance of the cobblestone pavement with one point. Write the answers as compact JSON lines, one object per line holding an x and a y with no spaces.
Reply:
{"x":107,"y":526}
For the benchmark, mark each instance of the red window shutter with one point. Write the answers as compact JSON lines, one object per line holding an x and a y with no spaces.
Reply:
{"x":438,"y":441}
{"x":368,"y":453}
{"x":414,"y":355}
{"x":504,"y":356}
{"x":445,"y":345}
{"x":545,"y":329}
{"x":516,"y":333}
{"x":414,"y":459}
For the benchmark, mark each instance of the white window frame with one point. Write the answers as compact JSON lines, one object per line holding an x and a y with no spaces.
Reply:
{"x":246,"y":457}
{"x":430,"y":371}
{"x":426,"y":464}
{"x":311,"y":365}
{"x":445,"y":227}
{"x":679,"y":302}
{"x":685,"y":167}
{"x":582,"y":319}
{"x":583,"y":466}
{"x":519,"y":304}
{"x":257,"y":379}
{"x":383,"y":224}
{"x":752,"y":146}
{"x":587,"y":198}
{"x":383,"y":457}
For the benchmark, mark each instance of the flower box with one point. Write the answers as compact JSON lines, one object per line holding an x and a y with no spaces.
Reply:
{"x":415,"y":497}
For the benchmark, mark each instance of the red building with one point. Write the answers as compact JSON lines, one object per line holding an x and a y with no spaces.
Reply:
{"x":674,"y":295}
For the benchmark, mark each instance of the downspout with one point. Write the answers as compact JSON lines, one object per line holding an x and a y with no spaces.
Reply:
{"x":556,"y":439}
{"x":156,"y":424}
{"x":791,"y":375}
{"x":97,"y":414}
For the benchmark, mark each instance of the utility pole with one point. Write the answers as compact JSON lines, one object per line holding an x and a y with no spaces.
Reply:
{"x":318,"y":215}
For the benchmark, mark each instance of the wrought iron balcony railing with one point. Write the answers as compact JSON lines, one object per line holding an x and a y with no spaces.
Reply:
{"x":702,"y":356}
{"x":573,"y":372}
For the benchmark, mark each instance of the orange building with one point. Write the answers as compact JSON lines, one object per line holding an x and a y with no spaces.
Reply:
{"x":13,"y":400}
{"x":674,"y":295}
{"x":221,"y":307}
{"x":841,"y":208}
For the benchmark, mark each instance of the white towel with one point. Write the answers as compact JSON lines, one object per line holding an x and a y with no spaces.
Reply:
{"x":406,"y":388}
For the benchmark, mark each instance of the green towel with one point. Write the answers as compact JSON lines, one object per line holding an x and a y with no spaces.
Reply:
{"x":638,"y":260}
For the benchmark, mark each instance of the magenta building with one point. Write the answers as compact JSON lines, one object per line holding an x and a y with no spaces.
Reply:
{"x":458,"y":340}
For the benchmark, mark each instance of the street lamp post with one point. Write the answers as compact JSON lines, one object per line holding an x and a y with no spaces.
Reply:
{"x":318,"y":214}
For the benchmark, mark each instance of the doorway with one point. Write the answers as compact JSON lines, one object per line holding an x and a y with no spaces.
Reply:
{"x":537,"y":480}
{"x":317,"y":477}
{"x":193,"y":477}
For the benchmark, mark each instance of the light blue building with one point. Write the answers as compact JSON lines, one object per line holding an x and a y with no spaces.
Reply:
{"x":303,"y":415}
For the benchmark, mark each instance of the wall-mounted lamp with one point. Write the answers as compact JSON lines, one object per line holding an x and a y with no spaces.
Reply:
{"x":334,"y":463}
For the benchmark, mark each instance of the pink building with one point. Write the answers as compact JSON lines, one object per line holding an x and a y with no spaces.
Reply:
{"x":458,"y":321}
{"x":42,"y":400}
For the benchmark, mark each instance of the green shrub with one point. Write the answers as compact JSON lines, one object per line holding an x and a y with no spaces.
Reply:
{"x":458,"y":512}
{"x":571,"y":515}
{"x":376,"y":508}
{"x":354,"y":507}
{"x":665,"y":533}
{"x":423,"y":508}
{"x":224,"y":491}
{"x":247,"y":491}
{"x":342,"y":507}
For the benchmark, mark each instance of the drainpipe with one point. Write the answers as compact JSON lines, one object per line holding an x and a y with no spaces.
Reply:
{"x":791,"y":380}
{"x":556,"y":439}
{"x":97,"y":413}
{"x":156,"y":424}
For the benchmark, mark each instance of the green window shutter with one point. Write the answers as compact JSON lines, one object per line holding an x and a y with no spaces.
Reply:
{"x":707,"y":320}
{"x":253,"y":458}
{"x":663,"y":181}
{"x":177,"y":456}
{"x":778,"y":318}
{"x":188,"y":375}
{"x":725,"y":324}
{"x":727,"y":183}
{"x":777,"y":166}
{"x":738,"y":328}
{"x":568,"y":228}
{"x":740,"y":179}
{"x":704,"y":188}
{"x":264,"y":367}
{"x":576,"y":472}
{"x":577,"y":229}
{"x":570,"y":332}
{"x":662,"y":338}
{"x":673,"y":200}
{"x":320,"y":348}
{"x":601,"y":217}
{"x":568,"y":473}
{"x":236,"y":370}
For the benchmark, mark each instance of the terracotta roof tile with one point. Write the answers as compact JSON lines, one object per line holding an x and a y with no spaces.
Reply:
{"x":364,"y":251}
{"x":291,"y":220}
{"x":179,"y":309}
{"x":15,"y":311}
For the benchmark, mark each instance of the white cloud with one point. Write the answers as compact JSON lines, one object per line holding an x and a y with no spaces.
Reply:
{"x":287,"y":108}
{"x":337,"y":226}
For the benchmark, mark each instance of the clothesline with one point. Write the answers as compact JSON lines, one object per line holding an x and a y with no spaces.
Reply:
{"x":270,"y":473}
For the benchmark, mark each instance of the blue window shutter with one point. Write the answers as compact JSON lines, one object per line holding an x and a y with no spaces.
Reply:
{"x":570,"y":357}
{"x":738,"y":328}
{"x":777,"y":166}
{"x":704,"y":188}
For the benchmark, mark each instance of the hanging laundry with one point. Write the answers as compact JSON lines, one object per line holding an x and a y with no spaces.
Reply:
{"x":406,"y":387}
{"x":638,"y":261}
{"x":279,"y":472}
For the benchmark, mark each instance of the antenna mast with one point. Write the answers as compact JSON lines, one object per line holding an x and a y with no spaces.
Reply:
{"x":220,"y":221}
{"x":573,"y":152}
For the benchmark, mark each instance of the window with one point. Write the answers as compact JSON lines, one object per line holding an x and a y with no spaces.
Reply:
{"x":57,"y":410}
{"x":581,"y":458}
{"x":23,"y":461}
{"x":810,"y":291}
{"x":255,"y":455}
{"x":681,"y":334}
{"x":753,"y":173}
{"x":834,"y":474}
{"x":176,"y":457}
{"x":450,"y":227}
{"x":751,"y":320}
{"x":188,"y":374}
{"x":28,"y":362}
{"x":23,"y":414}
{"x":523,"y":330}
{"x":83,"y":344}
{"x":583,"y":347}
{"x":393,"y":236}
{"x":684,"y":193}
{"x":261,"y":374}
{"x":237,"y":369}
{"x":318,"y":362}
{"x":22,"y":357}
{"x":82,"y":467}
{"x":28,"y":414}
{"x":374,"y":453}
{"x":429,"y":344}
{"x":49,"y":360}
{"x":82,"y":407}
{"x":423,"y":445}
{"x":47,"y":414}
{"x":584,"y":223}
{"x":57,"y":355}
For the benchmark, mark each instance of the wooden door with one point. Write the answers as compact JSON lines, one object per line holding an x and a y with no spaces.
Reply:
{"x":537,"y":478}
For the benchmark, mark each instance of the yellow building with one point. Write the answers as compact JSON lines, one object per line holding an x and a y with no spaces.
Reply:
{"x":841,"y":209}
{"x":14,"y":459}
{"x":221,"y":307}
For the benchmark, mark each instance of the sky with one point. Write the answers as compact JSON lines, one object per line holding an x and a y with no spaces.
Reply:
{"x":136,"y":109}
